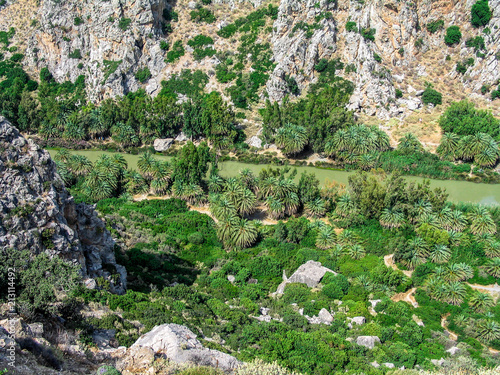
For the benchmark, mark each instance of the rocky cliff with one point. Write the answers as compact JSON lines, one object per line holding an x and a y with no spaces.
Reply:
{"x":38,"y":214}
{"x":110,"y":41}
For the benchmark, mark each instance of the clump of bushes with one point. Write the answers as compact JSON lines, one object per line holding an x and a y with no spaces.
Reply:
{"x":453,"y":35}
{"x":431,"y":96}
{"x":124,"y":23}
{"x":143,"y":74}
{"x":202,"y":15}
{"x":176,"y":52}
{"x":480,"y":13}
{"x":435,"y":26}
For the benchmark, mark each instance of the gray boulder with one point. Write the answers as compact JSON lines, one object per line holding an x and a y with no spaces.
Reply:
{"x":359,"y":320}
{"x":325,"y":316}
{"x":389,"y":365}
{"x":161,"y":145}
{"x":176,"y":343}
{"x":310,"y":273}
{"x":254,"y":142}
{"x":367,"y":341}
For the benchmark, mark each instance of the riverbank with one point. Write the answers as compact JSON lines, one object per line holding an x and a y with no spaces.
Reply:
{"x":459,"y":191}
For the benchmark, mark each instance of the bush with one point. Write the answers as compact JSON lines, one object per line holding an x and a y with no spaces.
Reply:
{"x":368,"y":34}
{"x":200,"y":41}
{"x":434,"y":26}
{"x":351,"y":26}
{"x":480,"y":13}
{"x":19,"y":56}
{"x":377,"y":57}
{"x":196,"y":238}
{"x":227,"y":31}
{"x":77,"y":21}
{"x":164,"y":45}
{"x":453,"y":35}
{"x":176,"y":52}
{"x":477,"y":43}
{"x":432,"y":96}
{"x":143,"y":75}
{"x":399,"y":93}
{"x":202,"y":15}
{"x":107,"y":370}
{"x":76,"y":54}
{"x":124,"y":23}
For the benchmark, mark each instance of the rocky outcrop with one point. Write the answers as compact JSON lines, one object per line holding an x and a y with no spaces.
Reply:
{"x":106,"y":41}
{"x":161,"y":145}
{"x":38,"y":214}
{"x":310,"y":273}
{"x":367,"y":341}
{"x":177,"y":344}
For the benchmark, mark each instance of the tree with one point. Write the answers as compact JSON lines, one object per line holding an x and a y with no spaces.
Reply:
{"x":481,"y":302}
{"x":454,"y":292}
{"x":79,"y":165}
{"x":410,"y":144}
{"x":391,"y":218}
{"x":315,"y":208}
{"x":440,"y":254}
{"x":448,"y":148}
{"x":480,"y":13}
{"x":325,"y":238}
{"x":453,"y":35}
{"x":492,"y":267}
{"x":191,"y":163}
{"x":487,"y":330}
{"x":463,"y":118}
{"x":355,"y":251}
{"x":291,"y":139}
{"x":147,"y":164}
{"x":431,"y":96}
{"x":481,"y":221}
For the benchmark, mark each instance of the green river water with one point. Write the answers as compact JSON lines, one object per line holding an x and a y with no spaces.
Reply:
{"x":459,"y":191}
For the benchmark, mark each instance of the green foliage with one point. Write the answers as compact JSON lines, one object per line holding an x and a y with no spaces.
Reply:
{"x":377,"y":57}
{"x":399,"y":94}
{"x":351,"y":26}
{"x":77,"y":21}
{"x":463,"y":118}
{"x":368,"y":34}
{"x":188,"y":83}
{"x":202,"y":15}
{"x":143,"y":75}
{"x":164,"y":46}
{"x":176,"y":52}
{"x":227,"y":31}
{"x":107,"y":370}
{"x":477,"y":43}
{"x":480,"y":13}
{"x":432,"y":96}
{"x":434,"y":26}
{"x":76,"y":54}
{"x":110,"y":67}
{"x":124,"y":23}
{"x":453,"y":35}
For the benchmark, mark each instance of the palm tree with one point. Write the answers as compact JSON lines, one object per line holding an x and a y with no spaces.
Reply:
{"x":248,"y":179}
{"x":458,"y":221}
{"x":481,"y":302}
{"x":63,"y":155}
{"x":430,"y":220}
{"x":292,"y":202}
{"x":367,"y":161}
{"x":421,"y":209}
{"x":492,"y":249}
{"x":391,"y":218}
{"x":434,"y":286}
{"x":325,"y":238}
{"x":339,"y":142}
{"x":487,"y":158}
{"x":454,"y":292}
{"x":64,"y":173}
{"x":291,"y":139}
{"x":246,"y":202}
{"x":275,"y":207}
{"x":221,"y":207}
{"x":448,"y":149}
{"x":266,"y":186}
{"x":225,"y":231}
{"x":79,"y":165}
{"x":193,"y":193}
{"x":345,"y":206}
{"x":97,"y":185}
{"x":466,"y":270}
{"x":492,"y":267}
{"x":161,"y":177}
{"x":455,"y":238}
{"x":215,"y":183}
{"x":454,"y":272}
{"x":481,"y":221}
{"x":487,"y":330}
{"x":420,"y":247}
{"x":136,"y":184}
{"x":445,"y":218}
{"x":410,"y":144}
{"x":355,"y":251}
{"x":466,"y":148}
{"x":383,"y":142}
{"x":347,"y":237}
{"x":243,"y":233}
{"x":315,"y":208}
{"x":440,"y":254}
{"x":147,"y":165}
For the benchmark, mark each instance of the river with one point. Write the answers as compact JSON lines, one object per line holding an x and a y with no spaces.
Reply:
{"x":459,"y":191}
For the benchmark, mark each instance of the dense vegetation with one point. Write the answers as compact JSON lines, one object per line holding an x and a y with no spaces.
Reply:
{"x":223,"y":277}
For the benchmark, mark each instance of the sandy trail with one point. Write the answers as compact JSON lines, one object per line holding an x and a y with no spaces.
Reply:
{"x":389,"y":262}
{"x":406,"y":297}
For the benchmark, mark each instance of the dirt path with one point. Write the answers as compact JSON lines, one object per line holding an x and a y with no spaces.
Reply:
{"x":389,"y":262}
{"x":493,"y":290}
{"x":406,"y":297}
{"x":444,"y":323}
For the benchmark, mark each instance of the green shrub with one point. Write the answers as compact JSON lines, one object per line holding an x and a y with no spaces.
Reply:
{"x":124,"y":23}
{"x":480,"y":13}
{"x":296,"y":293}
{"x":143,"y":74}
{"x":453,"y":35}
{"x":432,"y":96}
{"x":164,"y":45}
{"x":368,"y":34}
{"x":434,"y":26}
{"x":351,"y":26}
{"x":107,"y":370}
{"x":202,"y":15}
{"x":200,"y":41}
{"x":76,"y":54}
{"x":17,"y":57}
{"x":477,"y":43}
{"x":399,"y":93}
{"x":196,"y":238}
{"x":377,"y":57}
{"x":461,"y":68}
{"x":77,"y":21}
{"x":176,"y":52}
{"x":227,"y":31}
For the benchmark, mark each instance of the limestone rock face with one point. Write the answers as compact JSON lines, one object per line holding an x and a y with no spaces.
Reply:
{"x":111,"y":39}
{"x":38,"y":214}
{"x":367,"y":341}
{"x":310,"y":273}
{"x":162,"y":144}
{"x":178,"y":344}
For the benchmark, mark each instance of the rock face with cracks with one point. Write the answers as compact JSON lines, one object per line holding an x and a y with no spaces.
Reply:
{"x":38,"y":214}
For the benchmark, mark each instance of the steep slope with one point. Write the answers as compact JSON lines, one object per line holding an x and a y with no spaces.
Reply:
{"x":37,"y":213}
